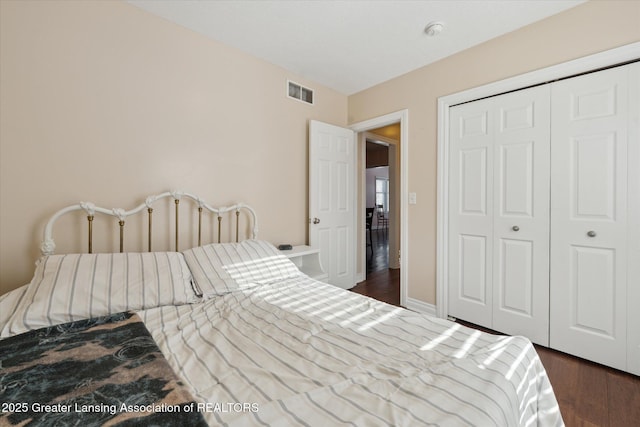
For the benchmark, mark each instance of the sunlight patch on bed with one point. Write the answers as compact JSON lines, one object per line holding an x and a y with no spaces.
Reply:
{"x":441,"y":338}
{"x":516,"y":363}
{"x":498,"y":349}
{"x":342,"y":312}
{"x":380,"y":319}
{"x":272,"y":267}
{"x":527,"y":403}
{"x":286,"y":299}
{"x":339,"y":304}
{"x":270,"y":292}
{"x":276,"y":297}
{"x":300,"y":304}
{"x":310,"y":302}
{"x":533,"y":419}
{"x":467,"y":345}
{"x":532,"y":381}
{"x":355,"y":317}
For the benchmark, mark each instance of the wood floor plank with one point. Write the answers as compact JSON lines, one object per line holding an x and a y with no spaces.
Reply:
{"x":592,"y":394}
{"x":624,"y":399}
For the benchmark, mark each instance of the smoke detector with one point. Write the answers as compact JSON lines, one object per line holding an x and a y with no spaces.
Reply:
{"x":434,"y":28}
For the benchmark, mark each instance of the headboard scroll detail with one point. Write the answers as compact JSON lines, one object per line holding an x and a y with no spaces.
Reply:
{"x":48,"y":245}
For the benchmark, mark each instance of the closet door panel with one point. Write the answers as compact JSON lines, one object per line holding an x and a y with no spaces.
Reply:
{"x":515,"y":185}
{"x":471,"y":206}
{"x":633,"y":234}
{"x":593,"y":285}
{"x":516,"y":277}
{"x":472,"y":271}
{"x":593,"y":184}
{"x":589,"y":216}
{"x":521,"y":214}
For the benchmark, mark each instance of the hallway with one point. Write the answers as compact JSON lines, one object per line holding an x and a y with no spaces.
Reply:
{"x":378,"y":252}
{"x":382,"y":283}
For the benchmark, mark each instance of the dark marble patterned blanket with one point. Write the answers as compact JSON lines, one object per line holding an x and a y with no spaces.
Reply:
{"x":103,"y":371}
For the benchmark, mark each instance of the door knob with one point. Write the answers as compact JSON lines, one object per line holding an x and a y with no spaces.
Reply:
{"x":591,"y":233}
{"x":316,"y":220}
{"x":515,"y":228}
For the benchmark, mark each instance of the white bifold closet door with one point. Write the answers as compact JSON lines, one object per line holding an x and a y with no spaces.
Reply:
{"x":595,"y":166}
{"x":499,"y":213}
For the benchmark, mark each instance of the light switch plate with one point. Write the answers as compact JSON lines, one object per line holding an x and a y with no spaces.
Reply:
{"x":412,"y":198}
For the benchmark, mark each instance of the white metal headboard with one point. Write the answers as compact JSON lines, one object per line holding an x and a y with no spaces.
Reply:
{"x":48,"y":245}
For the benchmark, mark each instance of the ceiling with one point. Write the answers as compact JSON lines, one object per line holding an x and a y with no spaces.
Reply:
{"x":352,"y":45}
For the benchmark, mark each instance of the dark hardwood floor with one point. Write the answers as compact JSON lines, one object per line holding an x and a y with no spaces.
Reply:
{"x":377,"y":250}
{"x":589,"y":394}
{"x":382,"y":283}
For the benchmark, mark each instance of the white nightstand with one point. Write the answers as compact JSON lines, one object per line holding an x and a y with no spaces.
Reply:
{"x":307,"y":259}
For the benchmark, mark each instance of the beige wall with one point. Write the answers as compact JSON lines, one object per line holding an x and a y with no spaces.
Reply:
{"x":102,"y":101}
{"x":586,"y":29}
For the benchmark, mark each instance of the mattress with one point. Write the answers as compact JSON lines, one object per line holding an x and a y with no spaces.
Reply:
{"x":300,"y":352}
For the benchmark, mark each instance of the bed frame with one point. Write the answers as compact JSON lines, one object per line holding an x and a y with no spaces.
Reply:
{"x":48,"y":245}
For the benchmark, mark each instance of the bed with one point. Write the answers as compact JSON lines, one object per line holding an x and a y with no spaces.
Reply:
{"x":232,"y":333}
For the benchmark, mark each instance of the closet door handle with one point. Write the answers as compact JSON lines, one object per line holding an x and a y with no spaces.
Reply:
{"x":591,"y":233}
{"x":515,"y":228}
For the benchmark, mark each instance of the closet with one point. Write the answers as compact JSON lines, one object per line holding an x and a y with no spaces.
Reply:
{"x":544,"y":215}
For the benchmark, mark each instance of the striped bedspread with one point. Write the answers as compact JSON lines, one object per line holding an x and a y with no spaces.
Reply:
{"x":304,"y":353}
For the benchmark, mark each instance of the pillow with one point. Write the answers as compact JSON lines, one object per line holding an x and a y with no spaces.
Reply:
{"x":8,"y":304}
{"x":70,"y":287}
{"x":219,"y":268}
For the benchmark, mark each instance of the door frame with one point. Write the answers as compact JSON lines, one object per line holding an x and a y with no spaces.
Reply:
{"x":394,"y":201}
{"x":585,"y":64}
{"x":401,"y":117}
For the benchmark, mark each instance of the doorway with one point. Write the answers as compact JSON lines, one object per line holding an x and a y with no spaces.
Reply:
{"x":379,"y":193}
{"x":397,"y":236}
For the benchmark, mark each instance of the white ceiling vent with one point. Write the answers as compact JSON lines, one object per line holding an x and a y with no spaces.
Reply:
{"x":301,"y":93}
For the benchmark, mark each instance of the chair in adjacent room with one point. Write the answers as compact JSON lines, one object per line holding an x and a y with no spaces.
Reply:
{"x":383,"y":220}
{"x":369,"y":225}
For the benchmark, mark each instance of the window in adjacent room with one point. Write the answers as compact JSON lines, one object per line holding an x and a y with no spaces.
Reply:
{"x":382,"y":193}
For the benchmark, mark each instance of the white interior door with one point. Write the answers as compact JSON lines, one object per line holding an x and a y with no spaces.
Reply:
{"x":521,"y":214}
{"x":471,"y":212}
{"x":332,"y":202}
{"x":589,"y":216}
{"x":499,"y":213}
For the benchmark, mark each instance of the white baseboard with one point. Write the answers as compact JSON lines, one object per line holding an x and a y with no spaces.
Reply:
{"x":421,"y":307}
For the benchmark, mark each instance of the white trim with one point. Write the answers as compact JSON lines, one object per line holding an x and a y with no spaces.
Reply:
{"x":593,"y":62}
{"x":588,"y":63}
{"x":633,"y":216}
{"x":421,"y":306}
{"x":392,"y":144}
{"x":362,"y":163}
{"x":401,"y":116}
{"x":377,"y":139}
